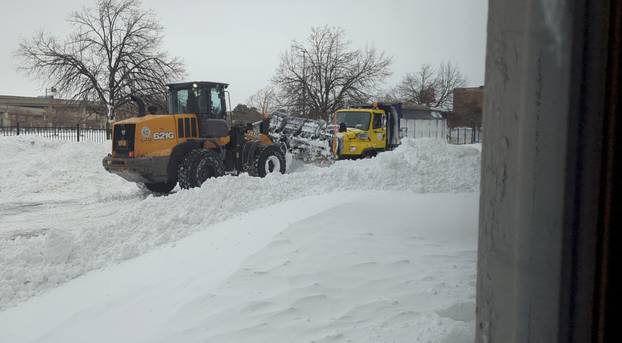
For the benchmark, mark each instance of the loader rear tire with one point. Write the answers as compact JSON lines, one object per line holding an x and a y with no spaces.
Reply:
{"x":197,"y":166}
{"x":209,"y":164}
{"x":269,"y":160}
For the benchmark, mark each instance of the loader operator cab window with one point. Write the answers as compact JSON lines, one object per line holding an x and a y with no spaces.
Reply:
{"x":180,"y":101}
{"x":216,"y":98}
{"x":203,"y":100}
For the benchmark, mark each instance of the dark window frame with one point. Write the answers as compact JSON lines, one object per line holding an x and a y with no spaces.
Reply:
{"x":380,"y":116}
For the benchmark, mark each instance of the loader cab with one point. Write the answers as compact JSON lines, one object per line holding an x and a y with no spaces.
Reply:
{"x":205,"y":99}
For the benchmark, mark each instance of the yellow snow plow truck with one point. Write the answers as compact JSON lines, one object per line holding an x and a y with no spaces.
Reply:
{"x":189,"y":144}
{"x":366,"y":130}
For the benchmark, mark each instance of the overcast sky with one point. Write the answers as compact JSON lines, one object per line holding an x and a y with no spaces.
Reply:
{"x":240,"y":41}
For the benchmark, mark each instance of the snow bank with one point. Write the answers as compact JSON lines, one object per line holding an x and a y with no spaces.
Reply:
{"x":35,"y":169}
{"x":63,"y":215}
{"x":314,"y":269}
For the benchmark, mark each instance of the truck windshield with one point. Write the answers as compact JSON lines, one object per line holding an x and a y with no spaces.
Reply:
{"x":357,"y":120}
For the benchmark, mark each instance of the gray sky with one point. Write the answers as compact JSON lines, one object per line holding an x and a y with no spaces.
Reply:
{"x":240,"y":41}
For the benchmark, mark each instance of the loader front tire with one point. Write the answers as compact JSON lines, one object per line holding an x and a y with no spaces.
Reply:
{"x":197,"y":166}
{"x":269,"y":160}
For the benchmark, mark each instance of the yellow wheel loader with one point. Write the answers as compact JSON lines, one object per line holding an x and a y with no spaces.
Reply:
{"x":189,"y":144}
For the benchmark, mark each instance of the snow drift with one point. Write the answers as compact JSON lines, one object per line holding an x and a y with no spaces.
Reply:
{"x":314,"y":269}
{"x":63,"y":215}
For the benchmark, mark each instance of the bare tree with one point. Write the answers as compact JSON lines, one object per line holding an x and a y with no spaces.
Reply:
{"x":431,"y":87}
{"x":322,"y":75}
{"x":265,"y":100}
{"x":113,"y":52}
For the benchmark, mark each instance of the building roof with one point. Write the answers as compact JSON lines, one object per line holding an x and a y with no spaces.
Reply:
{"x":41,"y":102}
{"x":421,"y":112}
{"x":469,"y":89}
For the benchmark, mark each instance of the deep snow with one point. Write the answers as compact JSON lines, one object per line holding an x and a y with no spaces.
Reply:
{"x":62,"y":215}
{"x":315,"y":269}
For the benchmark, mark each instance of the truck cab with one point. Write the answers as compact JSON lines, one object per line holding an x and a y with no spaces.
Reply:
{"x":365,"y":131}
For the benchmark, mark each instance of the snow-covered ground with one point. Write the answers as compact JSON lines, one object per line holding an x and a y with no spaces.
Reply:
{"x":359,"y":251}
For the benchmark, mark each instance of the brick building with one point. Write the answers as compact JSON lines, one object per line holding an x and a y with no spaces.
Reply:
{"x":467,"y":108}
{"x":49,"y":112}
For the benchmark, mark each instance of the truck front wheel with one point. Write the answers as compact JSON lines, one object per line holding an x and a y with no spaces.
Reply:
{"x":368,"y":154}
